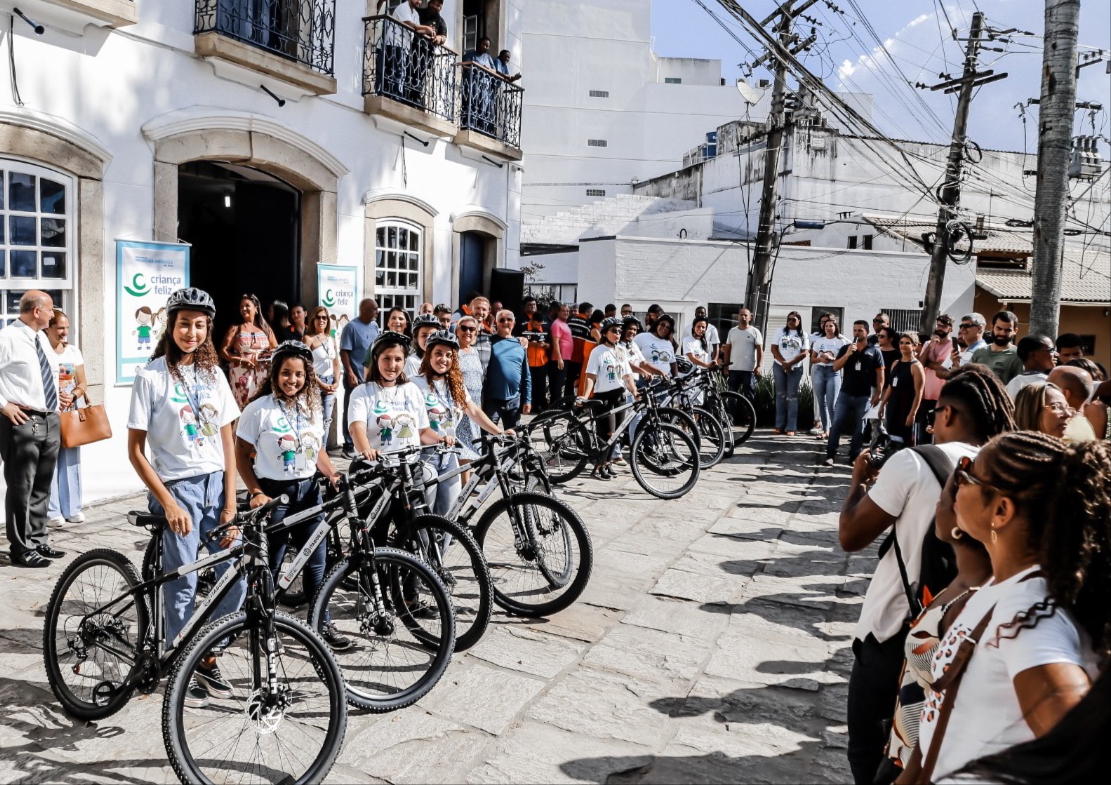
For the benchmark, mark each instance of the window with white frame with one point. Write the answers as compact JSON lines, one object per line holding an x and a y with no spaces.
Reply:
{"x":37,"y":235}
{"x":398,"y":267}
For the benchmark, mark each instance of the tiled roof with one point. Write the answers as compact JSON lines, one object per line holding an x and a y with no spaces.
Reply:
{"x":1087,"y":265}
{"x":604,"y":217}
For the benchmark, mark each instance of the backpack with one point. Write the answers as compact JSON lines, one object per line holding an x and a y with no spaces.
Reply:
{"x":939,"y":563}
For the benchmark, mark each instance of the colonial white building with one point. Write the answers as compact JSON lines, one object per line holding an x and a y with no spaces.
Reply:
{"x":270,"y":136}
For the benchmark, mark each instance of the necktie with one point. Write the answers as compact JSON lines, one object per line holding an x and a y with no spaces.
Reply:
{"x":49,"y":388}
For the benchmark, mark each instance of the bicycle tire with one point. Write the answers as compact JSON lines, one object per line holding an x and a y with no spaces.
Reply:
{"x":566,"y":445}
{"x":742,"y":415}
{"x":467,"y":581}
{"x":722,"y":417}
{"x":89,"y":696}
{"x":310,"y":701}
{"x":665,"y":452}
{"x":711,"y":444}
{"x":405,"y":645}
{"x":520,"y":586}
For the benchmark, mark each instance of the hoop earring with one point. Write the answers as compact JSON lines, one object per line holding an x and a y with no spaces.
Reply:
{"x":956,"y":534}
{"x":994,"y":535}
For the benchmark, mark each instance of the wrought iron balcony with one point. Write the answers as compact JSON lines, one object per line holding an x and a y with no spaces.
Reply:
{"x":299,"y":30}
{"x":408,"y":68}
{"x":491,"y":106}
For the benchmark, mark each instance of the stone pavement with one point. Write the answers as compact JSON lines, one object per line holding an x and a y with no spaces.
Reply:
{"x":712,"y":645}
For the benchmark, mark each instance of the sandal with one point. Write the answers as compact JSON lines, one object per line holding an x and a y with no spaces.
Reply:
{"x":778,"y":432}
{"x":790,"y":433}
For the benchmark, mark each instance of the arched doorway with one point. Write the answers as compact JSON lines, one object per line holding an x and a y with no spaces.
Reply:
{"x":244,"y":226}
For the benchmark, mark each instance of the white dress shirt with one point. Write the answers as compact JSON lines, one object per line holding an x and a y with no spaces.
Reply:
{"x":20,"y":372}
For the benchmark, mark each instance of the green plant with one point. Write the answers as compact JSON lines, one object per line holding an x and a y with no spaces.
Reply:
{"x":765,"y":402}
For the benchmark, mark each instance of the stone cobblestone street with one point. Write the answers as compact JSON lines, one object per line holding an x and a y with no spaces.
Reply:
{"x":712,"y":645}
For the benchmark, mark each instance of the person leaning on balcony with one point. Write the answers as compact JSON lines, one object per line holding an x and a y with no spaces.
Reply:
{"x":501,"y":65}
{"x":430,"y":17}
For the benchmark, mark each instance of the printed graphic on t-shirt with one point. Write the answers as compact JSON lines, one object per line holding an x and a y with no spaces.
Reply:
{"x":198,"y":426}
{"x":384,"y":422}
{"x":661,"y":356}
{"x":440,"y":417}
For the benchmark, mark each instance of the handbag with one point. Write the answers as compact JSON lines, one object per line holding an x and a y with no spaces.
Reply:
{"x":85,"y":425}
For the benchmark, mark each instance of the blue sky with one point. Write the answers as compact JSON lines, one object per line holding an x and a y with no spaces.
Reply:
{"x":916,"y":34}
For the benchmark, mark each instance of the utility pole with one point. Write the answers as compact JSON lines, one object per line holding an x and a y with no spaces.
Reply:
{"x":950,"y":191}
{"x":758,"y":291}
{"x":1055,"y":121}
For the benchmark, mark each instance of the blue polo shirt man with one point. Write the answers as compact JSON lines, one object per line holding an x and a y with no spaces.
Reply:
{"x":507,"y":392}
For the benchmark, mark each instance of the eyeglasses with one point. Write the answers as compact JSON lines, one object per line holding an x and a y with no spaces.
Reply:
{"x":965,"y":476}
{"x":931,"y":416}
{"x":1059,"y":407}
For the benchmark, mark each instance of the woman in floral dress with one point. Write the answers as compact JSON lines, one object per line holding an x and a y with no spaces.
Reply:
{"x":246,"y":350}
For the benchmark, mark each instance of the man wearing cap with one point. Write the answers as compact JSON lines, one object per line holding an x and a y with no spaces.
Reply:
{"x":30,"y":428}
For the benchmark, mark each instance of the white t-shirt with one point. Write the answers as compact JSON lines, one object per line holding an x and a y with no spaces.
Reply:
{"x":394,"y":416}
{"x":908,"y":490}
{"x":412,"y":367}
{"x":396,"y":35}
{"x":693,"y":346}
{"x":986,"y":717}
{"x":742,"y":355}
{"x":182,"y":420}
{"x":323,"y":357}
{"x":825,"y":344}
{"x":712,"y":336}
{"x":1022,"y":380}
{"x":791,"y":344}
{"x":633,"y":354}
{"x":444,"y":413}
{"x":658,"y":352}
{"x":68,"y":362}
{"x":610,"y":365}
{"x":287,"y":440}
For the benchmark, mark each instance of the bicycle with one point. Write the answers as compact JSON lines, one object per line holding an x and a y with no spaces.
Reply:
{"x":687,"y":395}
{"x":538,"y":549}
{"x":280,"y":716}
{"x":664,"y":456}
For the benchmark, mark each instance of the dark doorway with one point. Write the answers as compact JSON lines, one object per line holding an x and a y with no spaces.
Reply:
{"x":472,"y":257}
{"x":245,"y":229}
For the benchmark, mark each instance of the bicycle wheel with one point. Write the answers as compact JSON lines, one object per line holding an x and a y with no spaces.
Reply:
{"x":742,"y":415}
{"x":91,"y":648}
{"x":717,"y":407}
{"x":400,"y":650}
{"x":539,"y":553}
{"x":284,"y":718}
{"x":563,"y":444}
{"x":665,"y":461}
{"x":460,"y":566}
{"x":707,"y":437}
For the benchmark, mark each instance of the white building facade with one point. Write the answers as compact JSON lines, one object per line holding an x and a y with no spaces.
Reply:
{"x":269,"y":135}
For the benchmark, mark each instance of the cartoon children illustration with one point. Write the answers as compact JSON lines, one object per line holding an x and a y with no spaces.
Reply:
{"x":144,"y":319}
{"x":311,"y":446}
{"x":611,"y":371}
{"x":437,"y":414}
{"x":386,"y":424}
{"x":404,"y":426}
{"x":159,"y":323}
{"x":208,"y":417}
{"x":287,"y":444}
{"x":189,"y":424}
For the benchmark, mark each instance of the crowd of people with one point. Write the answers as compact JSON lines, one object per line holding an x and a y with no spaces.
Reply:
{"x":987,"y":477}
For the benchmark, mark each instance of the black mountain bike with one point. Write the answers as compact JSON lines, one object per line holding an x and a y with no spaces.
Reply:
{"x":282,"y":717}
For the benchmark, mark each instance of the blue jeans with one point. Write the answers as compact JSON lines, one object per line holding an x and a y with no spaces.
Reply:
{"x":743,"y":382}
{"x":65,"y":490}
{"x":302,"y":494}
{"x":509,"y":412}
{"x":328,"y":401}
{"x":787,"y":396}
{"x":827,"y":383}
{"x":849,"y":416}
{"x":441,"y":496}
{"x":202,"y":498}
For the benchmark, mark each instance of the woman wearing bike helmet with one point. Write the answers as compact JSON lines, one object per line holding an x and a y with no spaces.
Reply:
{"x":279,"y":447}
{"x":448,"y":401}
{"x":182,"y":408}
{"x":658,"y":346}
{"x":387,"y":412}
{"x":423,"y":326}
{"x":608,"y":377}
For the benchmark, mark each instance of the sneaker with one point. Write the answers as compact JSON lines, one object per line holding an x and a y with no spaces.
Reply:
{"x":78,"y":518}
{"x":196,"y":697}
{"x":418,"y":609}
{"x":58,"y":521}
{"x":333,"y":638}
{"x":816,"y":430}
{"x":348,"y":452}
{"x":213,"y":681}
{"x":828,"y":461}
{"x":620,"y":461}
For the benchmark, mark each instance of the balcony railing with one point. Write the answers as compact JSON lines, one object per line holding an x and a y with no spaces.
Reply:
{"x":490,"y":105}
{"x":400,"y":65}
{"x":298,"y":30}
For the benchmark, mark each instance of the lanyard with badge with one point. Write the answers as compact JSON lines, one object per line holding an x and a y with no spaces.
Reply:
{"x":295,"y":425}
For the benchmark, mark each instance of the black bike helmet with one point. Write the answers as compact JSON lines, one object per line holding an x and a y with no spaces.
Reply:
{"x":191,"y":299}
{"x":665,"y":317}
{"x":295,"y":348}
{"x":683,"y":365}
{"x":425,"y":320}
{"x":630,"y":319}
{"x":388,"y":338}
{"x":442,"y":338}
{"x":611,"y":321}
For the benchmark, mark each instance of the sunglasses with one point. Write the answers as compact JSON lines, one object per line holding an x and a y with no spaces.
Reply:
{"x":931,"y":416}
{"x":463,"y":329}
{"x":965,"y":476}
{"x":506,"y":320}
{"x":322,"y":318}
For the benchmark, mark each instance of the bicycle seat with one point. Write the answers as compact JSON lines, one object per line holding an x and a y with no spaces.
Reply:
{"x":592,"y":404}
{"x":146,"y":520}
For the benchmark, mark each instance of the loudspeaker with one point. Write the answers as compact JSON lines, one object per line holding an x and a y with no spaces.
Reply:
{"x":507,"y":287}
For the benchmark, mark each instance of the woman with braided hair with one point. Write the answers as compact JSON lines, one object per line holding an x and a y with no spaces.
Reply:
{"x":1027,"y":647}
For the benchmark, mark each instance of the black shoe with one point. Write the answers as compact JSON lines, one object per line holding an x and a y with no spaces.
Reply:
{"x":196,"y":696}
{"x":31,"y":559}
{"x":348,"y":452}
{"x":334,"y":638}
{"x":600,"y":473}
{"x":50,"y":553}
{"x":213,"y":681}
{"x":418,"y":609}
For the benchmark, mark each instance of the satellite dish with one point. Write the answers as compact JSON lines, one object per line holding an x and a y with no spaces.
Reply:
{"x":749,"y":94}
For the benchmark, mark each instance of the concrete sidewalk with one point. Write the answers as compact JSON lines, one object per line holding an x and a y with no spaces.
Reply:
{"x":712,"y":645}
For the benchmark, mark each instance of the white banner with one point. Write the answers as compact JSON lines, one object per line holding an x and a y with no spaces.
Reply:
{"x":146,"y":275}
{"x":338,"y":287}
